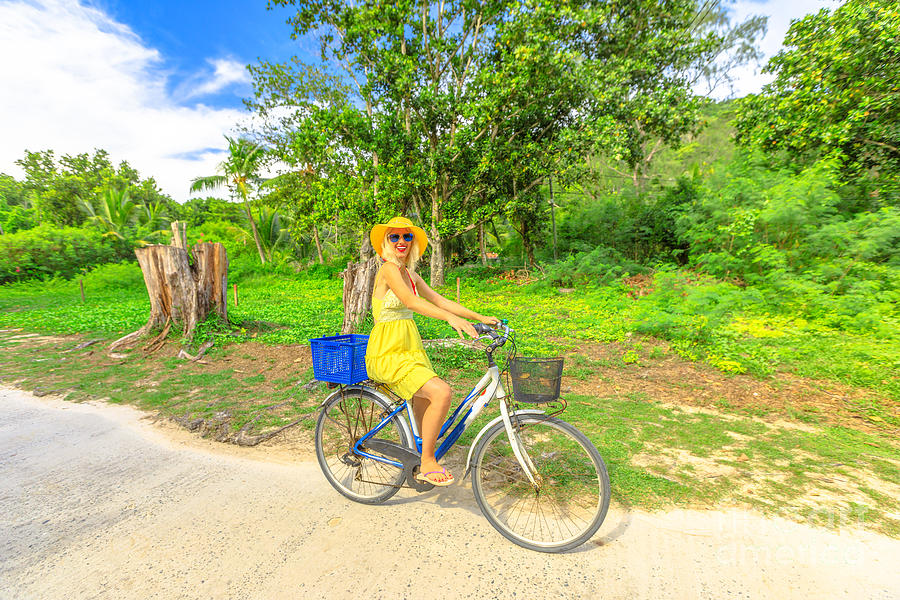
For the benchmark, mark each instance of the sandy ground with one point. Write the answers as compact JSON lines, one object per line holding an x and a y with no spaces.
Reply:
{"x":98,"y":502}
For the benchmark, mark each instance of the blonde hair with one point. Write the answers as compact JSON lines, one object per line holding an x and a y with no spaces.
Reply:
{"x":389,"y":254}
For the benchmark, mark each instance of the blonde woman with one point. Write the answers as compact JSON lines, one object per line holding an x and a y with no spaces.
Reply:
{"x":395,"y":355}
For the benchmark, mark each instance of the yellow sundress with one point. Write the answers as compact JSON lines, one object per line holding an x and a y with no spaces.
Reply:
{"x":395,"y":355}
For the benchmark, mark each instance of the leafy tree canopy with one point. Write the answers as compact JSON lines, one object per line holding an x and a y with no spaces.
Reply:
{"x":452,"y":106}
{"x":58,"y":189}
{"x":836,"y":93}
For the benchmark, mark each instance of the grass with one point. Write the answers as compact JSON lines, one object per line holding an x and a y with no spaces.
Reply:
{"x":658,"y":455}
{"x":160,"y":385}
{"x":738,"y":338}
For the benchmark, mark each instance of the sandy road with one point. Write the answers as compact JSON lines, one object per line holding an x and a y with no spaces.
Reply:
{"x":95,"y":502}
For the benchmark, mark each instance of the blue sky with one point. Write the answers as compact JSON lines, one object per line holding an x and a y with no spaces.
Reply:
{"x":159,"y":83}
{"x":194,"y":36}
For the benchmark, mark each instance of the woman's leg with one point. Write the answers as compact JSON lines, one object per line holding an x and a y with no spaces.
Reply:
{"x":430,"y":406}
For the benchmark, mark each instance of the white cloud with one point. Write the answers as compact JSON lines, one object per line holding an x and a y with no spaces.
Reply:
{"x":75,"y":80}
{"x":226,"y":72}
{"x":750,"y":79}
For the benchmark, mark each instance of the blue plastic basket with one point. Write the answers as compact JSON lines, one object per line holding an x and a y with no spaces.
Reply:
{"x":340,"y":358}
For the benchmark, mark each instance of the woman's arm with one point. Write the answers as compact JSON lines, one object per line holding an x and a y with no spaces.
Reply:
{"x":449,"y":305}
{"x":395,"y":281}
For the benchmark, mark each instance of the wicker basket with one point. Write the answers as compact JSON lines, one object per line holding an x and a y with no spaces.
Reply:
{"x":536,"y":380}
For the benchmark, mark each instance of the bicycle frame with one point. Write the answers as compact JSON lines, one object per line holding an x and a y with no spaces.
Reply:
{"x":481,"y":394}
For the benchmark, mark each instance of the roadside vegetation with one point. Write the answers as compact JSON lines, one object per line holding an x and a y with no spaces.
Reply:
{"x":801,"y":422}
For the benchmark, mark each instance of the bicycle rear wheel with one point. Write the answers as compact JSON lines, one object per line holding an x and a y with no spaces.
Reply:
{"x":569,"y":499}
{"x":342,"y":422}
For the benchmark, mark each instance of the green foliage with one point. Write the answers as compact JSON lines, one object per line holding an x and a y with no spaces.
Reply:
{"x":117,"y":212}
{"x":114,"y":276}
{"x":197,"y":211}
{"x":835,"y":95}
{"x":641,"y":228}
{"x":12,"y":193}
{"x":602,"y":265}
{"x":17,"y":218}
{"x":273,"y":234}
{"x":794,"y":237}
{"x":237,"y":241}
{"x":60,"y":189}
{"x":46,"y":251}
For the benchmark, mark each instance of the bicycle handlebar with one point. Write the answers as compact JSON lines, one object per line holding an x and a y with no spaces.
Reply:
{"x":483,"y":329}
{"x":498,"y":337}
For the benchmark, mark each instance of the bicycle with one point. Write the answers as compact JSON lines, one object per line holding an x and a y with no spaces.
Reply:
{"x":537,"y":479}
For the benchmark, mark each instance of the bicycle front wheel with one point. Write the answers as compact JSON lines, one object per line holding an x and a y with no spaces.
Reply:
{"x":344,"y":419}
{"x":569,"y":497}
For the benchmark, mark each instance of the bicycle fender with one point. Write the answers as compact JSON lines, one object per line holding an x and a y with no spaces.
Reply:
{"x":524,"y":411}
{"x":375,"y":393}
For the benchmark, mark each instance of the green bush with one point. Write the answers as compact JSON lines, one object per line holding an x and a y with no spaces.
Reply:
{"x":114,"y":276}
{"x":326,"y":271}
{"x":602,"y":265}
{"x":17,"y":218}
{"x":46,"y":251}
{"x":245,"y":266}
{"x":639,"y":227}
{"x":237,"y":241}
{"x":473,"y":272}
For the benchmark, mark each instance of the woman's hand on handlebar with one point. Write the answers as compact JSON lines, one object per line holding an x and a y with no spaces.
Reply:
{"x":492,"y":321}
{"x":462,"y":326}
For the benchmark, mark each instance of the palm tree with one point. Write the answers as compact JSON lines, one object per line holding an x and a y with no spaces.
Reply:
{"x":273,"y":231}
{"x":117,"y":211}
{"x":239,"y":173}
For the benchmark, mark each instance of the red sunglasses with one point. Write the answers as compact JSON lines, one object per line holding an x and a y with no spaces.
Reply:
{"x":395,"y":237}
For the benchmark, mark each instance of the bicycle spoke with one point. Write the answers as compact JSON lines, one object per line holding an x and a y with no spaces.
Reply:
{"x":343,"y":421}
{"x":570,"y":497}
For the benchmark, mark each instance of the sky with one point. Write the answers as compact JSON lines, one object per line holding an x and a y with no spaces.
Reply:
{"x":160,"y":83}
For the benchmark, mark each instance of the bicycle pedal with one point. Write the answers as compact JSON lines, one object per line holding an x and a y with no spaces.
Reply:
{"x":351,"y":460}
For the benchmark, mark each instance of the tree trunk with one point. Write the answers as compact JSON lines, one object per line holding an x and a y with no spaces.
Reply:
{"x":481,"y":248}
{"x":210,"y":271}
{"x":437,"y":258}
{"x":553,"y":218}
{"x":529,"y":249}
{"x":365,"y":249}
{"x":179,"y":234}
{"x":359,"y":280}
{"x":436,"y":242}
{"x":181,"y":293}
{"x":259,"y":247}
{"x":318,"y":245}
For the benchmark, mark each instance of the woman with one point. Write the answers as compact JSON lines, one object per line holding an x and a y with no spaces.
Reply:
{"x":395,"y":355}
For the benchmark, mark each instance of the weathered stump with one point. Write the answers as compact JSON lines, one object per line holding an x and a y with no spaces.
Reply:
{"x":359,"y":279}
{"x":182,"y":291}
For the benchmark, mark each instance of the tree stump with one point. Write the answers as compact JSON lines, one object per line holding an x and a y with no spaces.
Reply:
{"x":182,"y":291}
{"x":359,"y":279}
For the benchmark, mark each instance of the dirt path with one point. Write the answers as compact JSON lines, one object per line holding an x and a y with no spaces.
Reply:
{"x":95,"y":501}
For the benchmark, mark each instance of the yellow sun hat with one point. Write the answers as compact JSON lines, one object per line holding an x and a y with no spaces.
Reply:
{"x":378,"y":231}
